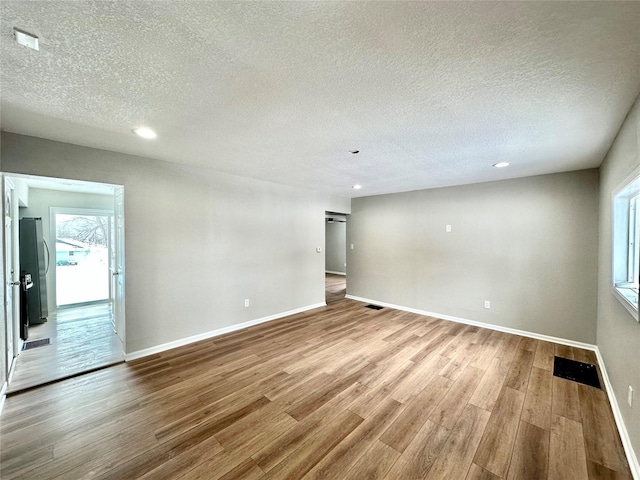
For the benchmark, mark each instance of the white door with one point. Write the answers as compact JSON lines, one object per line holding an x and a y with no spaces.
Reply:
{"x":11,"y":274}
{"x":117,"y":265}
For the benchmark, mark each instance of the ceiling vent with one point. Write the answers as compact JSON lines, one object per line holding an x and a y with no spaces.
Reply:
{"x":27,"y":39}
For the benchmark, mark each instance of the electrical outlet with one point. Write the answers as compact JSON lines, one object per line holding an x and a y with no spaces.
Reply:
{"x":630,"y":396}
{"x":447,"y":228}
{"x":487,"y":304}
{"x":246,"y":302}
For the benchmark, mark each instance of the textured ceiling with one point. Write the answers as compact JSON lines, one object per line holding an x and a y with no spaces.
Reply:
{"x":432,"y":94}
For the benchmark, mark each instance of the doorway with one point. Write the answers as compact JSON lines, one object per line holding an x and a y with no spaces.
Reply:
{"x":335,"y":256}
{"x":85,"y":330}
{"x":82,"y":252}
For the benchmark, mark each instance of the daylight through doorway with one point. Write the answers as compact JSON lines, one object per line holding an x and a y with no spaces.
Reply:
{"x":82,"y":257}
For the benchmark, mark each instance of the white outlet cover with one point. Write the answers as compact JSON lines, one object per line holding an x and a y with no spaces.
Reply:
{"x":630,"y":396}
{"x":447,"y":228}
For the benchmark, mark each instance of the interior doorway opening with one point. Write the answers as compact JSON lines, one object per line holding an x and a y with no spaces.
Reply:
{"x":83,"y":223}
{"x":335,"y":256}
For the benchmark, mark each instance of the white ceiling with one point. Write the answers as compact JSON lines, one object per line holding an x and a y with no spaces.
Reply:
{"x":432,"y":94}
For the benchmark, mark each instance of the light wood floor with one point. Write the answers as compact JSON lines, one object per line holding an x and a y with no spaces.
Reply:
{"x":335,"y":287}
{"x":82,"y":339}
{"x":340,"y":392}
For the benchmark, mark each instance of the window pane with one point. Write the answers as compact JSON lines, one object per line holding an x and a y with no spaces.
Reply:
{"x":82,"y":268}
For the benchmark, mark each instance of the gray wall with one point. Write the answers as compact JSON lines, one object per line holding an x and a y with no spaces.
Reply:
{"x":618,"y":332}
{"x":335,"y":247}
{"x":528,"y":245}
{"x":40,"y":202}
{"x":197,"y":242}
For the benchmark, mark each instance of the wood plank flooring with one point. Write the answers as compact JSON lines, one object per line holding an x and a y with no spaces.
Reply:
{"x":340,"y":392}
{"x":335,"y":287}
{"x":82,"y":339}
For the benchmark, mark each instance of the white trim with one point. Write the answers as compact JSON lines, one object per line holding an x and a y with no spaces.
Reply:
{"x":12,"y":368}
{"x":621,"y":195}
{"x":214,"y":333}
{"x":3,"y":396}
{"x":634,"y":466}
{"x":524,"y":333}
{"x":617,"y":414}
{"x":631,"y":308}
{"x":335,"y":273}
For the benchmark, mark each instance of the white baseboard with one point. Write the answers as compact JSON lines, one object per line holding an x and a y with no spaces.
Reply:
{"x":523,"y":333}
{"x":335,"y":273}
{"x":214,"y":333}
{"x":617,"y":414}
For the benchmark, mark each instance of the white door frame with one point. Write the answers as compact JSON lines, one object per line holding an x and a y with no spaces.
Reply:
{"x":79,"y":185}
{"x":118,"y":270}
{"x":11,"y":275}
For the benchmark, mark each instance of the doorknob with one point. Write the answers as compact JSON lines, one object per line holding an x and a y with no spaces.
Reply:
{"x":115,"y":273}
{"x":14,"y":283}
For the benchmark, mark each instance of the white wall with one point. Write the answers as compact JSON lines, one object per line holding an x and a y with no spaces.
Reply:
{"x":197,"y":242}
{"x":40,"y":203}
{"x":618,"y":333}
{"x":528,"y":245}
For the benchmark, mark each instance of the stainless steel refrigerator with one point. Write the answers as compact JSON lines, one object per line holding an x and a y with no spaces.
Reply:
{"x":34,"y":259}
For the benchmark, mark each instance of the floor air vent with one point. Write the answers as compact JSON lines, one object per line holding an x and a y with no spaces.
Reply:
{"x":375,"y":307}
{"x":36,"y":343}
{"x":568,"y":369}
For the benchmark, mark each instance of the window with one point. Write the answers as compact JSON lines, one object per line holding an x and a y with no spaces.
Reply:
{"x":82,"y":255}
{"x":634,"y":244}
{"x":626,"y":243}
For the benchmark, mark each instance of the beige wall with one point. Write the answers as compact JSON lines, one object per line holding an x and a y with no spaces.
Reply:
{"x":197,"y":242}
{"x":618,"y":332}
{"x":528,"y":245}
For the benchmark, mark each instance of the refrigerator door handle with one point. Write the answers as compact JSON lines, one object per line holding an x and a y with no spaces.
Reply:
{"x":47,"y":261}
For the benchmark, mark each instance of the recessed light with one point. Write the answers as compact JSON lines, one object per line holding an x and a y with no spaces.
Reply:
{"x":145,"y":132}
{"x":354,"y":151}
{"x":356,"y":187}
{"x":501,"y":164}
{"x":27,"y":39}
